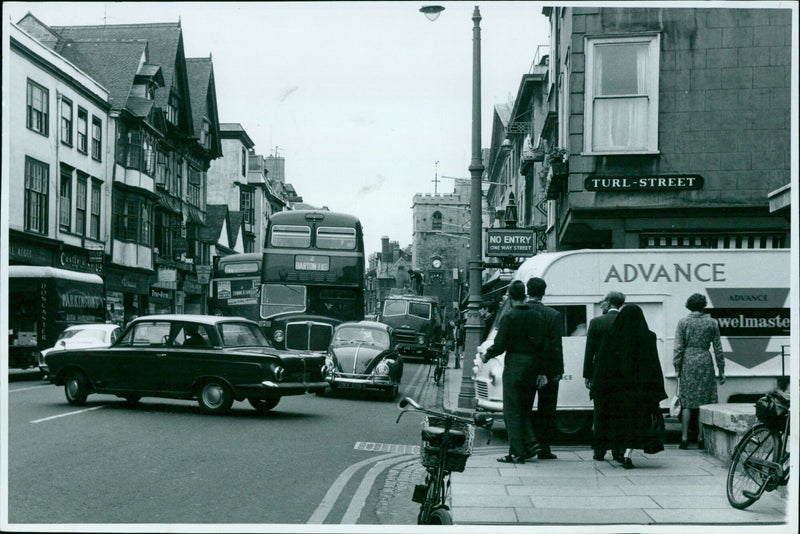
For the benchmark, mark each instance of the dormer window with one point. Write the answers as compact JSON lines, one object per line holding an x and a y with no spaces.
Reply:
{"x":205,"y":134}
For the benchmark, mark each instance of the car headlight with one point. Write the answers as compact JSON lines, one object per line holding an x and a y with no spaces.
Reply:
{"x":382,"y":368}
{"x":278,"y":336}
{"x":493,"y":375}
{"x":474,"y":372}
{"x":279,"y":372}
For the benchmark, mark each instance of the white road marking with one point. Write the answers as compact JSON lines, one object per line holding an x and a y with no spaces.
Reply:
{"x":386,"y":447}
{"x":28,"y":389}
{"x":69,"y":413}
{"x":330,"y":498}
{"x":360,"y":497}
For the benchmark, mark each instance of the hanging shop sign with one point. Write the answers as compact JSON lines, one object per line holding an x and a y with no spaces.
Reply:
{"x":659,"y":182}
{"x":509,"y":242}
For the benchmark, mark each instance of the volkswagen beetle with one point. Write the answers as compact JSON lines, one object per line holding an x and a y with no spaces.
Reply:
{"x":362,"y":354}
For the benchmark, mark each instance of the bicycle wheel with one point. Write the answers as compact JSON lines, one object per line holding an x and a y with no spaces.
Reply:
{"x":743,"y":476}
{"x":440,"y":516}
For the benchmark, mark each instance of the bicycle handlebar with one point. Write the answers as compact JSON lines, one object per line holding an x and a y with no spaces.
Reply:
{"x":479,"y":419}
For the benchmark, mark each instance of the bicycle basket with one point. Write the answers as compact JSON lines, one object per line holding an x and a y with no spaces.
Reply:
{"x":456,"y":460}
{"x":772,"y":409}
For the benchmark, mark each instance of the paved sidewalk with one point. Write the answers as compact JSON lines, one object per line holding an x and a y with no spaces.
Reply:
{"x":673,"y":487}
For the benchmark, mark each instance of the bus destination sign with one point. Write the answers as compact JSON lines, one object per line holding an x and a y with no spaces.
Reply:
{"x":312,"y":263}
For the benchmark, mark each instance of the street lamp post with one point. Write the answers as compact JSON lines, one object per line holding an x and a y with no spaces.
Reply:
{"x":474,"y":323}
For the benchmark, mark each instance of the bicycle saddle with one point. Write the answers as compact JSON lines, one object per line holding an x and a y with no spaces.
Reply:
{"x":433,"y":435}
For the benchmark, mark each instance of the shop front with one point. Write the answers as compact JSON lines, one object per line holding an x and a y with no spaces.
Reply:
{"x":127,"y":293}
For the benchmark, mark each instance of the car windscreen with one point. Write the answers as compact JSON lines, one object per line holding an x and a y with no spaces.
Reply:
{"x":241,"y":335}
{"x":394,"y":307}
{"x":420,"y":309}
{"x":351,"y":335}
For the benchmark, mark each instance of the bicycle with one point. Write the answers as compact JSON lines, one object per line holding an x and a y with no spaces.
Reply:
{"x":440,"y":364}
{"x":761,"y":458}
{"x":446,"y":445}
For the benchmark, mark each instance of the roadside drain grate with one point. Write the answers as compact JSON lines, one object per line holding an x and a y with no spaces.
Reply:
{"x":386,"y":447}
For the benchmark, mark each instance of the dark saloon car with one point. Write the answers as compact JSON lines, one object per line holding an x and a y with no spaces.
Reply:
{"x":213,"y":359}
{"x":362,"y":354}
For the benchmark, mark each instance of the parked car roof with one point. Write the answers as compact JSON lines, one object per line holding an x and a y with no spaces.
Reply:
{"x":193,"y":318}
{"x":366,"y":323}
{"x":93,"y":326}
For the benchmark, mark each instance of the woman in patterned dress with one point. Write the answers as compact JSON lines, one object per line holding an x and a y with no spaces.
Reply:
{"x":693,"y":366}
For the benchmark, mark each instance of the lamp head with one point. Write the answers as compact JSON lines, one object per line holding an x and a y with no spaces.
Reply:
{"x":431,"y":12}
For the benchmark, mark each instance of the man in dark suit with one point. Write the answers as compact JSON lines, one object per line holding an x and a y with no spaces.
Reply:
{"x":548,"y":394}
{"x":595,"y":335}
{"x":521,"y":336}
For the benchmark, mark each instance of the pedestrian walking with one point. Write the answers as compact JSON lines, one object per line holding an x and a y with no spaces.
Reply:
{"x":693,"y":366}
{"x":554,"y":354}
{"x":599,"y":327}
{"x":627,"y":377}
{"x":521,"y":335}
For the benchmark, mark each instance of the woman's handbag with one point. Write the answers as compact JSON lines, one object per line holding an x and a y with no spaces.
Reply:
{"x":675,"y":402}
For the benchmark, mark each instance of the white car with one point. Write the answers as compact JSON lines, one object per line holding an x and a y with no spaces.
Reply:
{"x":82,"y":336}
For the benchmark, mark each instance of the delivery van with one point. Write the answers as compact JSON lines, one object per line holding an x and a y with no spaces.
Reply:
{"x":747,"y":292}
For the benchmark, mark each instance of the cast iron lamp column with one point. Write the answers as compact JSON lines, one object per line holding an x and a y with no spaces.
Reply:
{"x":474,"y":323}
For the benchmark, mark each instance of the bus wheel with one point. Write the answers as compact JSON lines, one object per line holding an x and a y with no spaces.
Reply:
{"x":75,"y":388}
{"x":573,"y":424}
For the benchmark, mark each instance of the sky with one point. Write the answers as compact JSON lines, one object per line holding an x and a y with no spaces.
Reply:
{"x":361,"y":98}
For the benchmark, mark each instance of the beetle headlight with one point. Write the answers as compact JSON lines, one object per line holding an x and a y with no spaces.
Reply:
{"x":382,"y":368}
{"x":278,"y":336}
{"x":279,"y":372}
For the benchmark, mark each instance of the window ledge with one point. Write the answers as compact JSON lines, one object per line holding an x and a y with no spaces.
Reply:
{"x":637,"y":153}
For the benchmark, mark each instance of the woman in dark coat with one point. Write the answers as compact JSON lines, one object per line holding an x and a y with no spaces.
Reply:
{"x":628,"y":374}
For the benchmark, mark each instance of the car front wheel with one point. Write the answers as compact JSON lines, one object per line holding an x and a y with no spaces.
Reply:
{"x":215,"y":397}
{"x":76,"y":388}
{"x":263,"y":405}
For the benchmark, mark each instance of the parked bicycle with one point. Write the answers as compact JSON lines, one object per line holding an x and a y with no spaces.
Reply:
{"x":761,"y":458}
{"x":446,"y":445}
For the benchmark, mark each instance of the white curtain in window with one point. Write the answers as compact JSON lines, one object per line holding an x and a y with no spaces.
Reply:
{"x":621,"y":123}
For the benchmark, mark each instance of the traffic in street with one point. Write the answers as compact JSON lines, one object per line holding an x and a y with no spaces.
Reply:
{"x":163,"y":461}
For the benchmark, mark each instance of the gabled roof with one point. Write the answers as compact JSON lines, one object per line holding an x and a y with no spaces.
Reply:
{"x":113,"y":64}
{"x":235,"y":218}
{"x":200,"y":72}
{"x":234,"y":130}
{"x":216,"y":214}
{"x":164,"y":41}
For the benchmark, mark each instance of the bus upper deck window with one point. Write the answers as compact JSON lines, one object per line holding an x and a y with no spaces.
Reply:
{"x":336,"y":238}
{"x":291,"y":236}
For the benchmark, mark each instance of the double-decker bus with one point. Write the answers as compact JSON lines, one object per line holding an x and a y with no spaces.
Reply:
{"x":235,"y":285}
{"x":312,"y":277}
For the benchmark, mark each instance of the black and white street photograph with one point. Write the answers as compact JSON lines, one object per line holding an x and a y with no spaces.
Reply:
{"x":395,"y":266}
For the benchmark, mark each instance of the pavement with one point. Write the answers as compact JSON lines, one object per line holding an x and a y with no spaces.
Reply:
{"x":674,"y":487}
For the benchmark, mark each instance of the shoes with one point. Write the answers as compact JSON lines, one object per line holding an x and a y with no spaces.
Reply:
{"x":547,"y":455}
{"x":532,"y":451}
{"x":684,"y":445}
{"x":511,"y":459}
{"x":627,"y":463}
{"x":618,"y":456}
{"x":599,"y":455}
{"x":701,"y":444}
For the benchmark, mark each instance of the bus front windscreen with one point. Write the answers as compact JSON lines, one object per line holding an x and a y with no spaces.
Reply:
{"x":282,"y":298}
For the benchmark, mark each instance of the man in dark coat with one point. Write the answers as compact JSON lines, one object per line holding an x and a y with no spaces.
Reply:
{"x":521,"y":336}
{"x":599,"y":327}
{"x":548,"y":395}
